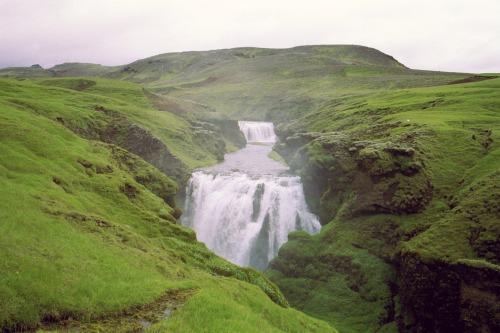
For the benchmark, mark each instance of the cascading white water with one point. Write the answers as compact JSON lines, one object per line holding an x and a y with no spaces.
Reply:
{"x":243,"y":218}
{"x":246,"y":215}
{"x":257,"y":131}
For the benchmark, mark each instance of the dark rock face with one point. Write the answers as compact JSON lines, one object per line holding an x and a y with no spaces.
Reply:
{"x":358,"y":177}
{"x":210,"y":139}
{"x":137,"y":140}
{"x":442,"y":297}
{"x":258,"y":255}
{"x":457,"y":295}
{"x":229,"y":129}
{"x":351,"y":180}
{"x":397,"y":180}
{"x":211,"y":134}
{"x":141,"y":142}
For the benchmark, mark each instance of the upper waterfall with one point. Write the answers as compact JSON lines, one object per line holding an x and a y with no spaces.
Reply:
{"x":257,"y":131}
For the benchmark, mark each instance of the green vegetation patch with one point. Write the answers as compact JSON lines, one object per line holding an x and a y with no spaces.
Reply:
{"x":237,"y":307}
{"x":329,"y":276}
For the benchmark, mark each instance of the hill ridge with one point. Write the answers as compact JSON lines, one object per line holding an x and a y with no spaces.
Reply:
{"x":240,"y":48}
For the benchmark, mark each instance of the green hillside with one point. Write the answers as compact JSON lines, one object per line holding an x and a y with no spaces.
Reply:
{"x":88,"y":230}
{"x":261,"y":84}
{"x":121,"y":113}
{"x":407,"y":183}
{"x":274,"y":84}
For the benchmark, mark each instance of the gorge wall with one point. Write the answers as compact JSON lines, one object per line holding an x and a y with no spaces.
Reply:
{"x":410,"y":221}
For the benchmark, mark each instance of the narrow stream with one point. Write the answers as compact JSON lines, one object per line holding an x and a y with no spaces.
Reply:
{"x":244,"y":208}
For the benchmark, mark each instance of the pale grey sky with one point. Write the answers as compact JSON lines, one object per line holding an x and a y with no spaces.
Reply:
{"x":447,"y":35}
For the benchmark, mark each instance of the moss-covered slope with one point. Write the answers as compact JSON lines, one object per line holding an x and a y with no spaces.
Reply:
{"x":407,"y":185}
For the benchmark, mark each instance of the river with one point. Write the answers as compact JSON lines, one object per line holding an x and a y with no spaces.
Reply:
{"x":244,"y":208}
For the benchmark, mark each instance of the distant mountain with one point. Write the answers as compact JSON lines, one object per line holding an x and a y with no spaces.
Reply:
{"x":256,"y":83}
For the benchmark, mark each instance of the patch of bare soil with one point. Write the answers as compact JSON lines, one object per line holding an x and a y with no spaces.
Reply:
{"x":134,"y":320}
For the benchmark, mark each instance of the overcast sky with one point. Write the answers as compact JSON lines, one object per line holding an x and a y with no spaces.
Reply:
{"x":446,"y":35}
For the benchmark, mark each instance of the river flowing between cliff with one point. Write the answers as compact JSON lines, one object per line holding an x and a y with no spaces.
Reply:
{"x":244,"y":208}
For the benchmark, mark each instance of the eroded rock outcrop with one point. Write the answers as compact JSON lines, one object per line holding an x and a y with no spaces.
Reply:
{"x":202,"y":116}
{"x":445,"y":258}
{"x":138,"y":140}
{"x":358,"y":177}
{"x":211,"y":136}
{"x":227,"y":127}
{"x":449,"y":297}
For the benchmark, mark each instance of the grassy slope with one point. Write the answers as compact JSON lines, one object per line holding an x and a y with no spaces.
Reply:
{"x":259,"y":84}
{"x":233,"y":306}
{"x":283,"y":94}
{"x":280,"y":85}
{"x":446,"y":118}
{"x":56,"y":98}
{"x":83,"y":234}
{"x":56,"y":260}
{"x":456,"y":131}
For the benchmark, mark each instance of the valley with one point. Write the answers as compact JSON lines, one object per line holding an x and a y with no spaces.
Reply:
{"x":400,"y":166}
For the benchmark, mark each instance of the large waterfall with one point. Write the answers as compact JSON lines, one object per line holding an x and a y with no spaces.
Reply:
{"x":244,"y":208}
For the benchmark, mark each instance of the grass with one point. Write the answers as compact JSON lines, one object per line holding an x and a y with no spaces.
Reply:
{"x":229,"y":311}
{"x":325,"y":276}
{"x":266,"y":84}
{"x":60,"y":243}
{"x":293,"y":95}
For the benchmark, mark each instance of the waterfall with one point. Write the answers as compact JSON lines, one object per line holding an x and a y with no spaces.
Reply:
{"x":243,"y":218}
{"x":257,"y":131}
{"x":245,"y":215}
